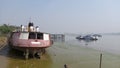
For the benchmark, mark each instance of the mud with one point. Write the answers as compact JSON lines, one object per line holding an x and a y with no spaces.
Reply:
{"x":60,"y":54}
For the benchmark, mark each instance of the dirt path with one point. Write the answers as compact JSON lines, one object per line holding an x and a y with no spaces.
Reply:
{"x":3,"y":42}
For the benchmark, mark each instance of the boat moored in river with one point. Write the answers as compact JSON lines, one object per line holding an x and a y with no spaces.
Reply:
{"x":30,"y":41}
{"x":89,"y":37}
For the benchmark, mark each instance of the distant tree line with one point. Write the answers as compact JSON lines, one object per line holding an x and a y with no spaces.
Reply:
{"x":6,"y":29}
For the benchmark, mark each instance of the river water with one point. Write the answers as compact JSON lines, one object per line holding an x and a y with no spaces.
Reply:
{"x":74,"y":53}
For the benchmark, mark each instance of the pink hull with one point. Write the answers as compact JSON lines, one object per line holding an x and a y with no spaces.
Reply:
{"x":32,"y":43}
{"x":18,"y":43}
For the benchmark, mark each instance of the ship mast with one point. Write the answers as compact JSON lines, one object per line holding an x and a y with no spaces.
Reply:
{"x":30,"y":20}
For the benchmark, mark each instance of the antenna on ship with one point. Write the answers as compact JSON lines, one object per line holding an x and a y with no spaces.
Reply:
{"x":30,"y":20}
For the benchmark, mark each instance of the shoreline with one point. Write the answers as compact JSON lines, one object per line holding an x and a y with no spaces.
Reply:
{"x":3,"y":42}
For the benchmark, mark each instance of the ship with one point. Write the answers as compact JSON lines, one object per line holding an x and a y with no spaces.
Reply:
{"x":30,"y":41}
{"x":88,"y":37}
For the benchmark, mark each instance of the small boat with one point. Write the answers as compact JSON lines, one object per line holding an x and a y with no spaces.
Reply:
{"x":97,"y":35}
{"x":80,"y":37}
{"x":30,"y":41}
{"x":87,"y":37}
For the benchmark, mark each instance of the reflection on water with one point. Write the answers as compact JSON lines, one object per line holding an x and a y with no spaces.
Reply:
{"x":107,"y":43}
{"x":87,"y":42}
{"x":15,"y":59}
{"x":44,"y":62}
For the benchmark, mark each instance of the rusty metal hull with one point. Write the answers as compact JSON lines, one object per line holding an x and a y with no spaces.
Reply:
{"x":29,"y":46}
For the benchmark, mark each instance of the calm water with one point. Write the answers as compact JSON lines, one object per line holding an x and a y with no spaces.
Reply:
{"x":107,"y":43}
{"x":74,"y":53}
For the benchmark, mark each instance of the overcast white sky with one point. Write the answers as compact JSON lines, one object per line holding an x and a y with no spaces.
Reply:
{"x":63,"y":16}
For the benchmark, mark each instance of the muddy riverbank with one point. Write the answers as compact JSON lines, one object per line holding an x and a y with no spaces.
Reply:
{"x":3,"y":41}
{"x":59,"y":54}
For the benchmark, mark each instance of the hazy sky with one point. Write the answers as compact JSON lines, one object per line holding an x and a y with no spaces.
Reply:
{"x":63,"y":16}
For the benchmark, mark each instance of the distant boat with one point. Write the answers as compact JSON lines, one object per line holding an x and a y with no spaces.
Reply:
{"x":80,"y":37}
{"x":97,"y":35}
{"x":88,"y":37}
{"x":30,"y":41}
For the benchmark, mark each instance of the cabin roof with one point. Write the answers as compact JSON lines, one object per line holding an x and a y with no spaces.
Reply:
{"x":28,"y":32}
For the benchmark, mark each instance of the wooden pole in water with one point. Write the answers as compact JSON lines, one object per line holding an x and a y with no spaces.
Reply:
{"x":65,"y":66}
{"x":100,"y":60}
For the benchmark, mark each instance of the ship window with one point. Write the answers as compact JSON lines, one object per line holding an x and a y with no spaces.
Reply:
{"x":46,"y":36}
{"x":39,"y":35}
{"x":32,"y":35}
{"x":24,"y":36}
